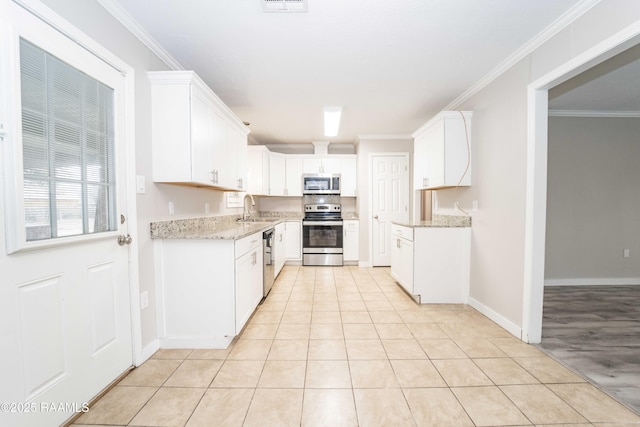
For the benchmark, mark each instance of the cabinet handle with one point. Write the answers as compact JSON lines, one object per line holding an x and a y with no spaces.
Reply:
{"x":286,"y":192}
{"x":214,"y":176}
{"x":425,"y":182}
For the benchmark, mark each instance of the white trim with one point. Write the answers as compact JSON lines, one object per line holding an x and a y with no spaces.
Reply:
{"x":526,"y":49}
{"x":60,"y":24}
{"x":148,"y":351}
{"x":594,"y":281}
{"x":537,"y":141}
{"x":365,"y":264}
{"x":502,"y":321}
{"x":370,"y":188}
{"x":592,"y":113}
{"x":119,"y":12}
{"x":197,"y":342}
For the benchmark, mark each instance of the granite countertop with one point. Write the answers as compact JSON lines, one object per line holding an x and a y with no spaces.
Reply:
{"x":350,"y":215}
{"x":218,"y":227}
{"x":440,"y":221}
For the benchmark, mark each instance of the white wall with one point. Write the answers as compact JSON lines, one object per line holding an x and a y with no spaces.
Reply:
{"x":500,"y":160}
{"x":593,"y":202}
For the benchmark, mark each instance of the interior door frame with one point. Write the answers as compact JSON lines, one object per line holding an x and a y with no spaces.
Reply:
{"x":536,"y":189}
{"x":370,"y":189}
{"x":51,"y":18}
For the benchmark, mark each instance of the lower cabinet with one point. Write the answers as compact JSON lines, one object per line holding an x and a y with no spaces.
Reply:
{"x":279,"y":248}
{"x":402,"y":257}
{"x":432,"y":263}
{"x":351,"y":241}
{"x":207,"y":289}
{"x":293,"y":241}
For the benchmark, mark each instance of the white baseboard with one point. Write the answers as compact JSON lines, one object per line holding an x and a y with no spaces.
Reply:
{"x":149,"y":349}
{"x":364,"y":264}
{"x":502,"y":321}
{"x":594,"y":281}
{"x":203,"y":342}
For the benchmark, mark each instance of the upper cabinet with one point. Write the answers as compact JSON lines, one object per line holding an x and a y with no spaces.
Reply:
{"x":442,"y":151}
{"x":285,"y":172}
{"x":258,"y":170}
{"x":197,"y":140}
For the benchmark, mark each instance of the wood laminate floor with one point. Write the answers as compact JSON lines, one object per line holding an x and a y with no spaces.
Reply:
{"x":595,"y":330}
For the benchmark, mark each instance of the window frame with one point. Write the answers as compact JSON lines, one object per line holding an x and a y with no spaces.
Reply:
{"x":11,"y":141}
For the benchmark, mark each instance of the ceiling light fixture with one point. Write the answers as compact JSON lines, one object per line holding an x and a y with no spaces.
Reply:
{"x":332,"y":120}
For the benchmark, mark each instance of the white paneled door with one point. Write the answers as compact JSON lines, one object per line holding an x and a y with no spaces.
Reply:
{"x":65,"y":314}
{"x":389,"y":201}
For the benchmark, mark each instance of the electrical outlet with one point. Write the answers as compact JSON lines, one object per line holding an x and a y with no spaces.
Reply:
{"x":206,"y":208}
{"x":475,"y":206}
{"x":625,"y":253}
{"x":172,"y":208}
{"x":144,"y":300}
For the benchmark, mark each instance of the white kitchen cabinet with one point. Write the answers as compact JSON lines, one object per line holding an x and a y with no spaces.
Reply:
{"x":248,"y":283}
{"x":277,"y":174}
{"x":279,"y":248}
{"x":207,"y":289}
{"x":402,"y":256}
{"x":343,"y":164}
{"x":442,"y":150}
{"x":432,"y":263}
{"x":348,"y":176}
{"x":293,"y":166}
{"x":351,"y":241}
{"x":293,"y":241}
{"x":321,"y":165}
{"x":194,"y":134}
{"x":258,"y":171}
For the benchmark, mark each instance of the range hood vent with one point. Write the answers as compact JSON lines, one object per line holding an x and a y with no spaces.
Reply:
{"x":285,"y":6}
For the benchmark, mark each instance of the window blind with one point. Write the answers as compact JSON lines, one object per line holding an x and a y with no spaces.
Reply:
{"x":68,"y":148}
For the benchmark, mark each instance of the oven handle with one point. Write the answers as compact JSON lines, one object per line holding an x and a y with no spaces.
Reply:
{"x":322,"y":222}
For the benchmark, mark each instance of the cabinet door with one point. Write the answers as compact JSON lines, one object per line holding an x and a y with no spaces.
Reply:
{"x":312,"y":165}
{"x":248,"y":285}
{"x":201,"y":137}
{"x":257,"y":170}
{"x":236,"y":158}
{"x":402,"y":262}
{"x":348,"y":177}
{"x":293,"y":176}
{"x":218,"y":172}
{"x":293,"y":240}
{"x":435,"y":155}
{"x":351,"y":240}
{"x":279,"y":248}
{"x":277,"y":175}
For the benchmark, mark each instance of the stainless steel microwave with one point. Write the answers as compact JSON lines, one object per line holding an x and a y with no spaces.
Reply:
{"x":321,"y":183}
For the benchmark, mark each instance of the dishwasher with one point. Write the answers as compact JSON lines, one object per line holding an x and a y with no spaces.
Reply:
{"x":269,"y":258}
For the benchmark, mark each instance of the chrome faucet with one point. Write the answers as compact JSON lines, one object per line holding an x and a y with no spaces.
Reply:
{"x":246,"y":211}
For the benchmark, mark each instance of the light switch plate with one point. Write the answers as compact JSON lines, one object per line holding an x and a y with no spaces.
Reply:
{"x":140,"y":184}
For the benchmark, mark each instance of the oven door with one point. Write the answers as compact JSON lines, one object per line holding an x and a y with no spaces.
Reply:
{"x":321,"y":236}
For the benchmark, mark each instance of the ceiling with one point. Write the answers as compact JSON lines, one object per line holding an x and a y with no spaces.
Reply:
{"x":610,"y":88}
{"x":391,"y":65}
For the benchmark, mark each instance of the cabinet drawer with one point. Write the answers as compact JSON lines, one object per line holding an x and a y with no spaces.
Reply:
{"x":245,"y":244}
{"x":350,"y":225}
{"x":402,"y":232}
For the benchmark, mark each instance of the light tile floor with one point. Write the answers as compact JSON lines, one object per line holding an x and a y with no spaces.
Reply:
{"x":345,"y":346}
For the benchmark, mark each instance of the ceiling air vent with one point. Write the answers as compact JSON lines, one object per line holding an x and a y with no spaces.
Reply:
{"x":284,"y":6}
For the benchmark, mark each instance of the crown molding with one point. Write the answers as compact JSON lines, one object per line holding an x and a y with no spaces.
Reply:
{"x":115,"y":9}
{"x":593,"y":113}
{"x":551,"y":30}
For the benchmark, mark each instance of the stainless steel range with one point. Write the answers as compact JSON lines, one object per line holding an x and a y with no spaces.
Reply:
{"x":322,"y":234}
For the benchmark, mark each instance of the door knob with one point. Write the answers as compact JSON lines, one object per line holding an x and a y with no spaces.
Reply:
{"x":375,"y":217}
{"x":124,"y":240}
